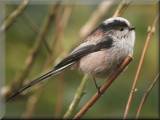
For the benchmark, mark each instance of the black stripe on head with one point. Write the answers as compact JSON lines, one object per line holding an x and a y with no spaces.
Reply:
{"x":113,"y":25}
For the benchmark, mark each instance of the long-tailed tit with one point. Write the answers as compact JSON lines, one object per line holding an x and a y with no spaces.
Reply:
{"x":99,"y":54}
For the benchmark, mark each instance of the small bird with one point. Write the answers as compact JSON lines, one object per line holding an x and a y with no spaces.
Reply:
{"x":99,"y":54}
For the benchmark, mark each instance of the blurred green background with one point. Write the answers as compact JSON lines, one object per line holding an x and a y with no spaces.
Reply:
{"x":20,"y":38}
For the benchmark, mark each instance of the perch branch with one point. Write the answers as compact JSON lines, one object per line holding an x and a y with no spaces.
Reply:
{"x":12,"y":17}
{"x":148,"y":39}
{"x":144,"y":98}
{"x":77,"y":97}
{"x":88,"y":27}
{"x":103,"y":88}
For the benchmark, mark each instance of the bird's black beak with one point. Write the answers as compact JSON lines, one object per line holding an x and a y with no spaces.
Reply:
{"x":131,"y":28}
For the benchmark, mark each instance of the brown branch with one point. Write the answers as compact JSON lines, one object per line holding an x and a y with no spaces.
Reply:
{"x":121,"y":8}
{"x":31,"y":103}
{"x":32,"y":55}
{"x":59,"y":97}
{"x":62,"y":19}
{"x":33,"y":99}
{"x":40,"y":38}
{"x":96,"y":16}
{"x":148,"y":39}
{"x":145,"y":96}
{"x":61,"y":22}
{"x":35,"y":28}
{"x":13,"y":16}
{"x":103,"y":88}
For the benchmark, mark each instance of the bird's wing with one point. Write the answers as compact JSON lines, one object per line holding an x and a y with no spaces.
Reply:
{"x":82,"y":51}
{"x":75,"y":56}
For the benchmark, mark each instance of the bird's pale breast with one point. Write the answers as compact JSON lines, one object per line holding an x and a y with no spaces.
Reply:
{"x":101,"y":63}
{"x":98,"y":64}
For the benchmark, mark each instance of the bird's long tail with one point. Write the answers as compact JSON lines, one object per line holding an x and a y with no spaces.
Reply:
{"x":37,"y":80}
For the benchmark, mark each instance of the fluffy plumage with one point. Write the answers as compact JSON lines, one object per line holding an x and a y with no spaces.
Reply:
{"x":99,"y":54}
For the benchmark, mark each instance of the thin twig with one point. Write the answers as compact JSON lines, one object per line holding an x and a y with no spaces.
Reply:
{"x":77,"y":97}
{"x":148,"y":39}
{"x":36,"y":29}
{"x":103,"y":88}
{"x":30,"y":104}
{"x":32,"y":100}
{"x":145,"y":96}
{"x":40,"y":38}
{"x":96,"y":16}
{"x":60,"y":88}
{"x":61,"y":21}
{"x":121,"y":8}
{"x":60,"y":32}
{"x":13,"y":16}
{"x":32,"y":55}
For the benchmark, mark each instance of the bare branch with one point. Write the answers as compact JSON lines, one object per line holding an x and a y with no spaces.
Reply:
{"x":148,"y":39}
{"x":122,"y":7}
{"x":13,"y":16}
{"x":36,"y":29}
{"x":77,"y":97}
{"x":96,"y":16}
{"x":40,"y":38}
{"x":32,"y":55}
{"x":31,"y":103}
{"x":62,"y":19}
{"x":103,"y":88}
{"x":59,"y":96}
{"x":61,"y":22}
{"x":145,"y":96}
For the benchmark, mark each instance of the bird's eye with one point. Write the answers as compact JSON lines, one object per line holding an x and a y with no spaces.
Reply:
{"x":121,"y":29}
